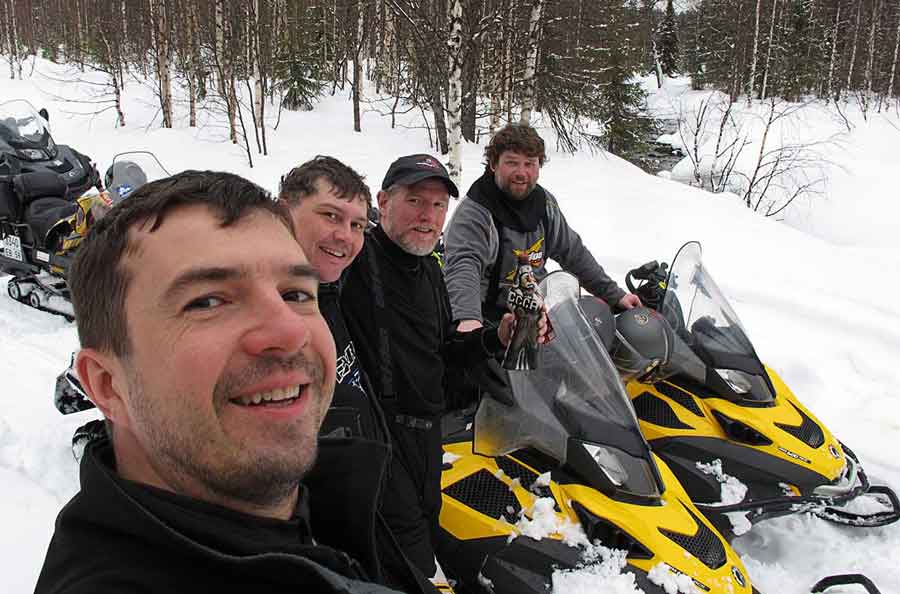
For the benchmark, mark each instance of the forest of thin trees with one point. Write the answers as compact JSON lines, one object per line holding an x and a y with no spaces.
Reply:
{"x":467,"y":66}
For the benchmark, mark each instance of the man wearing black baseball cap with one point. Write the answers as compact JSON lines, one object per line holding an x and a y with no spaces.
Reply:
{"x":397,"y":309}
{"x":412,"y":169}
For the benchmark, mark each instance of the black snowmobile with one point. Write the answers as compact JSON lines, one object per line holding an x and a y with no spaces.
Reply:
{"x":561,"y":444}
{"x":41,"y":189}
{"x":712,"y":410}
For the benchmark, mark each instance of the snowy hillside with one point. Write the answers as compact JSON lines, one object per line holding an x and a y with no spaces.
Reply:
{"x":822,"y":309}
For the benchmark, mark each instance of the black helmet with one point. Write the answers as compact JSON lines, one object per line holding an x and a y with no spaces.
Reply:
{"x":644,"y":344}
{"x":122,"y":178}
{"x":600,"y":317}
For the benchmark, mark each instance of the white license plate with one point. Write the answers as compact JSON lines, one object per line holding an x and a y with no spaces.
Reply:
{"x":12,"y":248}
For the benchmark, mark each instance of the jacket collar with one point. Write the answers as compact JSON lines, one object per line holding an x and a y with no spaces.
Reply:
{"x":520,"y":215}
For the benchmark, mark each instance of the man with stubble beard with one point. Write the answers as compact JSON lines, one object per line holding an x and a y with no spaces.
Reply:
{"x":204,"y":348}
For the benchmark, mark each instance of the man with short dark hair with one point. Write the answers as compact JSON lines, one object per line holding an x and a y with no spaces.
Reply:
{"x":508,"y":213}
{"x":396,"y":306}
{"x":329,"y":204}
{"x":204,"y":348}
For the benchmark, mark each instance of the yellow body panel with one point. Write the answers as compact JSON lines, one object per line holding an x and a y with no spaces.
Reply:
{"x":641,"y":522}
{"x":785,"y":446}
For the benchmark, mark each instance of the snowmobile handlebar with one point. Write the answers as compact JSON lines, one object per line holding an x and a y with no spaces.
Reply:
{"x":648,"y":281}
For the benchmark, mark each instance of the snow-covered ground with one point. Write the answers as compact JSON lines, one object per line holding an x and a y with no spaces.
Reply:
{"x":818,"y":298}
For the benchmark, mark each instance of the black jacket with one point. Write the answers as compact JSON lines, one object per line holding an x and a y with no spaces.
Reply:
{"x":398,"y":311}
{"x":119,"y":536}
{"x":354,"y":411}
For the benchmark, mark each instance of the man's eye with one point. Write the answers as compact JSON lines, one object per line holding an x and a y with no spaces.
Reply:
{"x":298,"y":296}
{"x":207,"y":302}
{"x":358,"y":227}
{"x":330,"y":216}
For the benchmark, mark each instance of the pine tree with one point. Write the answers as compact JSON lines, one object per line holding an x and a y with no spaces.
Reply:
{"x":668,"y":42}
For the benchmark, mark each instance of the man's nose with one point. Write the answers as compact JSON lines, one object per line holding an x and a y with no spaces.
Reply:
{"x":343,"y":232}
{"x":277,"y":328}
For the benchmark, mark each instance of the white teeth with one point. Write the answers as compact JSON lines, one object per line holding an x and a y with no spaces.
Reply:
{"x":270,"y":396}
{"x":334,"y":253}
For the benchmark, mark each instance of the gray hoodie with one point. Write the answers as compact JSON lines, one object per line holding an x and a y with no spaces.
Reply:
{"x":472,"y":240}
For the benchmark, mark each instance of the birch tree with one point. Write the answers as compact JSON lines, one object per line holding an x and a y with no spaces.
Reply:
{"x":534,"y":32}
{"x":161,"y":42}
{"x":751,"y":80}
{"x":454,"y":104}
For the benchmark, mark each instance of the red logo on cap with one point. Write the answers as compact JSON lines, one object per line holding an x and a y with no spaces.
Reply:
{"x":428,"y":162}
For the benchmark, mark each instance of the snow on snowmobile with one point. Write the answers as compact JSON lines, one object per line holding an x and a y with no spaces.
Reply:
{"x":714,"y":413}
{"x":44,"y":212}
{"x":563,"y":441}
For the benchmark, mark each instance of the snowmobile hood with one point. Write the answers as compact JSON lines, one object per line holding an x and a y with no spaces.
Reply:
{"x":573,"y":408}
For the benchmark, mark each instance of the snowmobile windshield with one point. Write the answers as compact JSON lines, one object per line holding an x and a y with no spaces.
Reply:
{"x":573,"y":407}
{"x":129,"y":171}
{"x":701,"y":316}
{"x":24,"y":133}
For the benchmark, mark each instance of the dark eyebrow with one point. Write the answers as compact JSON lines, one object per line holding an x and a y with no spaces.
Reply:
{"x":194,"y":276}
{"x":303,"y":271}
{"x":213,"y":274}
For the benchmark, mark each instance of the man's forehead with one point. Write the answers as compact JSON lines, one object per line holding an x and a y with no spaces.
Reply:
{"x":327,"y":191}
{"x":198,"y":231}
{"x":509,"y":154}
{"x":431,"y":185}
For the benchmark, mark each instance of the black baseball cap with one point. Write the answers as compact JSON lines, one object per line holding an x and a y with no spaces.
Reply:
{"x":412,"y":169}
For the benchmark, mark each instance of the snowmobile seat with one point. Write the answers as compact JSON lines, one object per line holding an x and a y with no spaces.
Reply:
{"x":39,"y":184}
{"x":41,"y":193}
{"x":10,"y":206}
{"x":48,"y":220}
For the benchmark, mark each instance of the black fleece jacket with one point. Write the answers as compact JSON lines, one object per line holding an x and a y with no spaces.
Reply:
{"x":119,"y":536}
{"x":397,"y":310}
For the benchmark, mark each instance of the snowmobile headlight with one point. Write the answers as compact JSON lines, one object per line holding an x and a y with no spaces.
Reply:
{"x":32,"y":154}
{"x":736,"y":380}
{"x":608,"y":462}
{"x":746,"y":386}
{"x":629,"y":474}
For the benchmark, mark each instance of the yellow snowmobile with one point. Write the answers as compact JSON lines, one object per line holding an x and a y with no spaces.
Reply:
{"x":717,"y":415}
{"x":558,"y":476}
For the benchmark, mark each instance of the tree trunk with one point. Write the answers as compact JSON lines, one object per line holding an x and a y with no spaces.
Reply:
{"x":534,"y":32}
{"x":833,"y":58}
{"x":751,"y":82}
{"x":259,"y":59}
{"x":765,"y":80}
{"x":440,"y":125}
{"x":159,"y":14}
{"x":854,"y":44}
{"x":357,"y":66}
{"x":194,"y":66}
{"x":870,"y":57}
{"x":12,"y":38}
{"x":454,"y":123}
{"x":889,"y":92}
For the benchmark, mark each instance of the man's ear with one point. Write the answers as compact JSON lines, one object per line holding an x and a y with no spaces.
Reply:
{"x":104,"y":380}
{"x":382,"y":199}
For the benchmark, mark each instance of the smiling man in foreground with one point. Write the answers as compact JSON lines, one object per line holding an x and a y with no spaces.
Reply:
{"x":203,"y":346}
